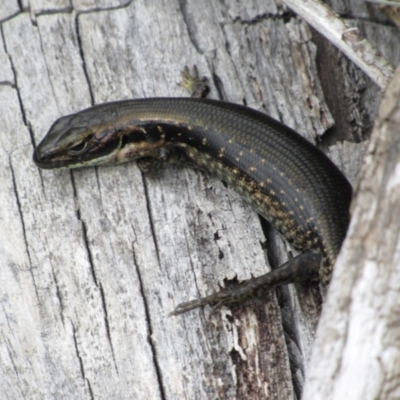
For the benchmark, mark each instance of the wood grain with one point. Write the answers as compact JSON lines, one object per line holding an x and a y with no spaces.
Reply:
{"x":93,"y":260}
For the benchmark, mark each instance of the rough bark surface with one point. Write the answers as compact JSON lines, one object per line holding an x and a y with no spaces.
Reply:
{"x":92,"y":261}
{"x":356,"y":353}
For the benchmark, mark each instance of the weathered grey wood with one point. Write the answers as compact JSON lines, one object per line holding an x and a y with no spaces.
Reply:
{"x":357,"y":346}
{"x":356,"y":8}
{"x":92,"y":261}
{"x":6,"y":73}
{"x":8,"y":8}
{"x":346,"y":37}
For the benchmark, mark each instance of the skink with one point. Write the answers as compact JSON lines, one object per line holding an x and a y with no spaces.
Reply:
{"x":287,"y":180}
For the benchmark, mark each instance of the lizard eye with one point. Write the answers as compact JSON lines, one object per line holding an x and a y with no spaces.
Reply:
{"x":80,"y":147}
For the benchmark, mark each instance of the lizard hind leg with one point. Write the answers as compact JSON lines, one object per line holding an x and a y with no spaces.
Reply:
{"x":304,"y":267}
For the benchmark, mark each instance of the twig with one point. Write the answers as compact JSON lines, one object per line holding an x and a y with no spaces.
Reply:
{"x":348,"y":39}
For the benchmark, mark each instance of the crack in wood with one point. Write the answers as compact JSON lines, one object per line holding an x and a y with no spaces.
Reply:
{"x":152,"y":345}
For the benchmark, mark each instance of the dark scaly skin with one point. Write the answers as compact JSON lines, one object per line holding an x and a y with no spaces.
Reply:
{"x":287,"y":180}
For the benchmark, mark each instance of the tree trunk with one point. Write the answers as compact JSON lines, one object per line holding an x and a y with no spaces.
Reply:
{"x":93,"y":260}
{"x":356,"y":353}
